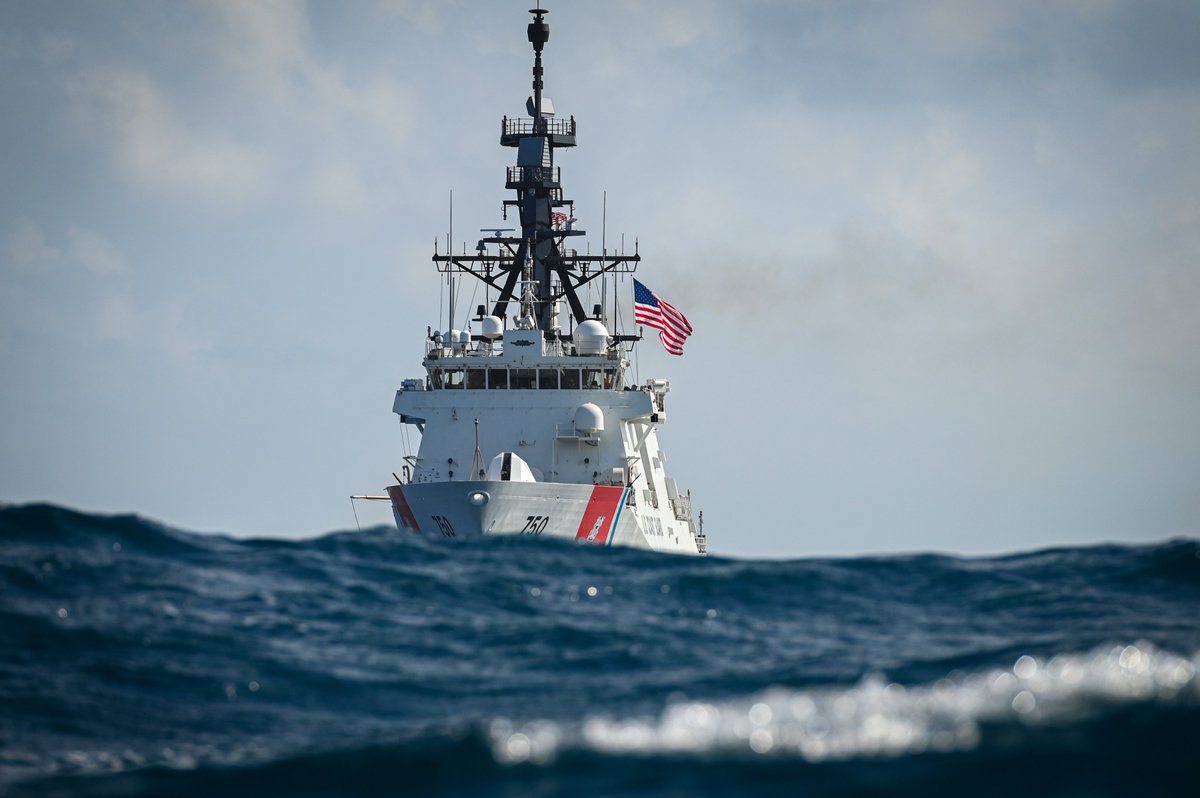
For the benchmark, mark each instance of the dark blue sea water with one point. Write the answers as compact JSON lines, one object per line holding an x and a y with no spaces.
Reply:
{"x":140,"y":660}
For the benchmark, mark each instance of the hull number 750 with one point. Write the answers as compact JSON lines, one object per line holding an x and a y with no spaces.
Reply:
{"x":535,"y":524}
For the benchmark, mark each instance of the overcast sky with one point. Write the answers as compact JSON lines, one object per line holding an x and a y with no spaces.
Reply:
{"x":943,"y":258}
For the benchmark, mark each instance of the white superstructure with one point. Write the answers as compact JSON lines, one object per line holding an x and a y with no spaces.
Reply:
{"x":528,"y":425}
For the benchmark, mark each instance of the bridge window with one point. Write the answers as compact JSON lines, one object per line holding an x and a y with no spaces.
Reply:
{"x":569,"y":379}
{"x":452,"y":378}
{"x":524,"y":379}
{"x":435,"y":378}
{"x":476,"y":378}
{"x":497,"y":378}
{"x":548,"y":379}
{"x":599,"y":378}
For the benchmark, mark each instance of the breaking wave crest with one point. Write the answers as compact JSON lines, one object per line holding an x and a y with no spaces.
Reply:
{"x":875,"y":717}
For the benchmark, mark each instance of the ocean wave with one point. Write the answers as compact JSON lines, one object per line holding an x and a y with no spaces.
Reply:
{"x":875,"y":717}
{"x":138,"y":659}
{"x":1117,"y":721}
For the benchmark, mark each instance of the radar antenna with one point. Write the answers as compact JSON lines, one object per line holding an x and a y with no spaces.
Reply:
{"x":534,"y":267}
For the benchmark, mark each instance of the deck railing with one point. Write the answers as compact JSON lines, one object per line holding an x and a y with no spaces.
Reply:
{"x":534,"y":174}
{"x":526,"y":127}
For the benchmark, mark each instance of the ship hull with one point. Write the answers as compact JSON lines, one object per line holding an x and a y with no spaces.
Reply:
{"x":599,"y":515}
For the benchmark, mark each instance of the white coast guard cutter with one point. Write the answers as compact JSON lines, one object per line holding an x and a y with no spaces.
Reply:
{"x":527,"y":428}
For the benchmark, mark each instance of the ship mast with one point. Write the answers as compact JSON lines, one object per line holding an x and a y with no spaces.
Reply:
{"x":539,"y":34}
{"x":537,"y":268}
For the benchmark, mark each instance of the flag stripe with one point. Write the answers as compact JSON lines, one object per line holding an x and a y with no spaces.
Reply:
{"x":673,"y":326}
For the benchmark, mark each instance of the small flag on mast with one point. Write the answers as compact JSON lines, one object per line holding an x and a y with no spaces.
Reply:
{"x":673,"y":327}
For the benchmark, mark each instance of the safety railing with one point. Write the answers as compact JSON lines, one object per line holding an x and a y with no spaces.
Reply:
{"x":528,"y":127}
{"x":525,"y":175}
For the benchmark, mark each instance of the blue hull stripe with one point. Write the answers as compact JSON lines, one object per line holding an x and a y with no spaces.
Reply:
{"x":612,"y":532}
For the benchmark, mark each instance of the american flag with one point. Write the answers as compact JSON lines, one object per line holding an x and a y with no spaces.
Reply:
{"x":557,"y":219}
{"x":673,"y":327}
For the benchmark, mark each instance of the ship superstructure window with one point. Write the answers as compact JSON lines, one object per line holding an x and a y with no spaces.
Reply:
{"x":594,"y":379}
{"x":453,"y":378}
{"x":597,"y":378}
{"x":476,"y":378}
{"x":523,"y":379}
{"x":435,"y":378}
{"x":497,"y":378}
{"x":548,"y":379}
{"x":569,"y":379}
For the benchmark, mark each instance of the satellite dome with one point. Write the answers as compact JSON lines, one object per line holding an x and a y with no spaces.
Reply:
{"x":591,"y":338}
{"x":491,"y":327}
{"x":589,"y":418}
{"x":451,"y":340}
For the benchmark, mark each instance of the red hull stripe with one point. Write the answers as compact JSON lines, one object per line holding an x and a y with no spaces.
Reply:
{"x":403,"y":511}
{"x":600,"y":515}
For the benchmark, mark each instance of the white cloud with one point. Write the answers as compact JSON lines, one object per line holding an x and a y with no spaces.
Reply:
{"x":26,"y":249}
{"x":261,"y":114}
{"x":115,"y":317}
{"x":94,"y":253}
{"x":263,"y":42}
{"x":153,"y":147}
{"x":76,"y":288}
